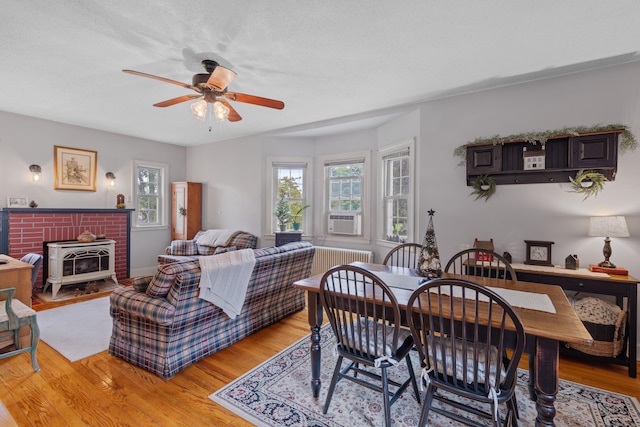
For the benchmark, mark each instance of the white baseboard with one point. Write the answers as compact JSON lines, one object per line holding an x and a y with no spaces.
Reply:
{"x":144,"y":271}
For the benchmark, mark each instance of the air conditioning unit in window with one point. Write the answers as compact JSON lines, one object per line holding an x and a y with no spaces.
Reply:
{"x":344,"y":224}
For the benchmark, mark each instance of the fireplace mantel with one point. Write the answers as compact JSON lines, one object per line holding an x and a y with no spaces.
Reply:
{"x":66,"y":210}
{"x":24,"y":230}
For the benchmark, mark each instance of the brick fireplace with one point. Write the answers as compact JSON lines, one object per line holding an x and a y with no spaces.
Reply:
{"x":24,"y":230}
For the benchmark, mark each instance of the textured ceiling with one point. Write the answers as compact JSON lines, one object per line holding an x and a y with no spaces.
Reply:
{"x":62,"y":60}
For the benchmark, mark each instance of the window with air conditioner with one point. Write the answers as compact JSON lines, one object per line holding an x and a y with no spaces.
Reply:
{"x":345,"y":193}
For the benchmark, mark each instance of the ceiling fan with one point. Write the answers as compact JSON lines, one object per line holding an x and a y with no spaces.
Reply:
{"x":212,"y":88}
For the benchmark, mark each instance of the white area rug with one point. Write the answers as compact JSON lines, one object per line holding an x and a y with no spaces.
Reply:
{"x":78,"y":330}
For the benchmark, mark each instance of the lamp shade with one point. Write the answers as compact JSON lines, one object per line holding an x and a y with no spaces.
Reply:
{"x":608,"y":226}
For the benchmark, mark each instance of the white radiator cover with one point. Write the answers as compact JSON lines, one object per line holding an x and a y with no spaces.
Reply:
{"x":327,"y":257}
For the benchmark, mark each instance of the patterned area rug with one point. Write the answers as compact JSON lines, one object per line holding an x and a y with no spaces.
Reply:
{"x":278,"y":393}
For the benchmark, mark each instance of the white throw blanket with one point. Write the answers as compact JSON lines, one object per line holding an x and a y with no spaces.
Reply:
{"x":224,"y":279}
{"x":216,"y":237}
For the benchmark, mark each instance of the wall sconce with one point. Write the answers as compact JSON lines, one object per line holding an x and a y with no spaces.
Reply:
{"x":36,"y":171}
{"x":111,"y":179}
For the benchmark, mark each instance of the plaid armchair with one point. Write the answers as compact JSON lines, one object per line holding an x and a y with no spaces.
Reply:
{"x":162,"y":325}
{"x":190,"y":250}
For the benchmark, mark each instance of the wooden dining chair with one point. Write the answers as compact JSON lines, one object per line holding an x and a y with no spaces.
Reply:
{"x":480,"y":262}
{"x":13,"y":315}
{"x":365,"y":319}
{"x":462,"y":331}
{"x":404,"y":255}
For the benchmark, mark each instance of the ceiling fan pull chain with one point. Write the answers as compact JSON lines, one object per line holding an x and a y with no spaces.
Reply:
{"x":210,"y":118}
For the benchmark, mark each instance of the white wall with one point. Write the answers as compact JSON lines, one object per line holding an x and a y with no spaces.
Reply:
{"x":233,"y":172}
{"x":232,"y":177}
{"x":26,"y":140}
{"x":532,"y":211}
{"x":515,"y":212}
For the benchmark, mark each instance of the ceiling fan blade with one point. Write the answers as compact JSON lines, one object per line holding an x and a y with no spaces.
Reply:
{"x":162,"y":79}
{"x":221,"y":77}
{"x":257,"y":100}
{"x":174,"y":101}
{"x":233,"y":114}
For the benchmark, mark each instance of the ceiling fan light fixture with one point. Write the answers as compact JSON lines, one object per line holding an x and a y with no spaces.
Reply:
{"x":199,"y":109}
{"x":220,"y":111}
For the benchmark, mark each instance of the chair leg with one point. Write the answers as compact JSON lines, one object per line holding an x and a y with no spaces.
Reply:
{"x":515,"y":406}
{"x":512,"y":412}
{"x":332,"y":386}
{"x":426,"y":405}
{"x":412,"y":374}
{"x":35,"y":338}
{"x":385,"y":394}
{"x":16,"y":339}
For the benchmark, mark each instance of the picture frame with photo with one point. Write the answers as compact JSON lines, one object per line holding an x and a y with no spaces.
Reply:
{"x":17,"y":202}
{"x":74,"y":168}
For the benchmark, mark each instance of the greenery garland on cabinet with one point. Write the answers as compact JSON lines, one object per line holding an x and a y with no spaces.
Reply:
{"x":586,"y":182}
{"x":628,"y":142}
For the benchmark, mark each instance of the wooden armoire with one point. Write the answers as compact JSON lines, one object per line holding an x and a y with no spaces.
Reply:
{"x":186,"y":210}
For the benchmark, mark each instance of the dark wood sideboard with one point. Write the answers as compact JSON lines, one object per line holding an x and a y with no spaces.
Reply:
{"x":620,"y":287}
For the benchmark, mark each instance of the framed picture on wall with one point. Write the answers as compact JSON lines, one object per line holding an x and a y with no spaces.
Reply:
{"x":17,"y":202}
{"x":74,"y":169}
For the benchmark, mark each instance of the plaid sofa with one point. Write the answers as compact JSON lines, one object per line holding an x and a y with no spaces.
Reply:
{"x":190,"y":250}
{"x":162,"y":325}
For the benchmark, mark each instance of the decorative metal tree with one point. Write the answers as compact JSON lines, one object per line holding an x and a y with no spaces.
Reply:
{"x":429,"y":262}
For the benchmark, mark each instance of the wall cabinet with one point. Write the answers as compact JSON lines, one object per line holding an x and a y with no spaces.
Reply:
{"x":562,"y":157}
{"x":186,"y":210}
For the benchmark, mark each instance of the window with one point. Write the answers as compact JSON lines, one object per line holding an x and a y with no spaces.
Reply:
{"x":345,"y":186}
{"x":289,"y":192}
{"x":345,"y":195}
{"x":397,"y":174}
{"x":149,"y":192}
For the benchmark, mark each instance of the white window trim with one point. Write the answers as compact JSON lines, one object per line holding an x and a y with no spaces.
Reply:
{"x":382,"y":152}
{"x":163,"y":209}
{"x":307,"y":223}
{"x":322,"y":190}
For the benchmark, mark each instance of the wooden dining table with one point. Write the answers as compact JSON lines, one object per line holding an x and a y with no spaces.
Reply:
{"x":544,"y":330}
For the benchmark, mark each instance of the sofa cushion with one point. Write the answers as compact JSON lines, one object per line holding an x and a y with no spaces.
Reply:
{"x":266,"y":251}
{"x":141,"y":284}
{"x":183,"y":248}
{"x":168,"y":259}
{"x":222,"y":250}
{"x":244,"y":240}
{"x":207,"y":250}
{"x":165,"y":275}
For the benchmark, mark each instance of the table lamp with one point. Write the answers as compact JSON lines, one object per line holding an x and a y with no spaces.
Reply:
{"x":607,"y":226}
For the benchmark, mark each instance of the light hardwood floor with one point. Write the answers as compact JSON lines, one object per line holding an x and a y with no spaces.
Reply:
{"x":102,"y":390}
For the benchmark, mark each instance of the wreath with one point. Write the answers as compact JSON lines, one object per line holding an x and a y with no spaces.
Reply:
{"x":587,"y":182}
{"x":484,"y":186}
